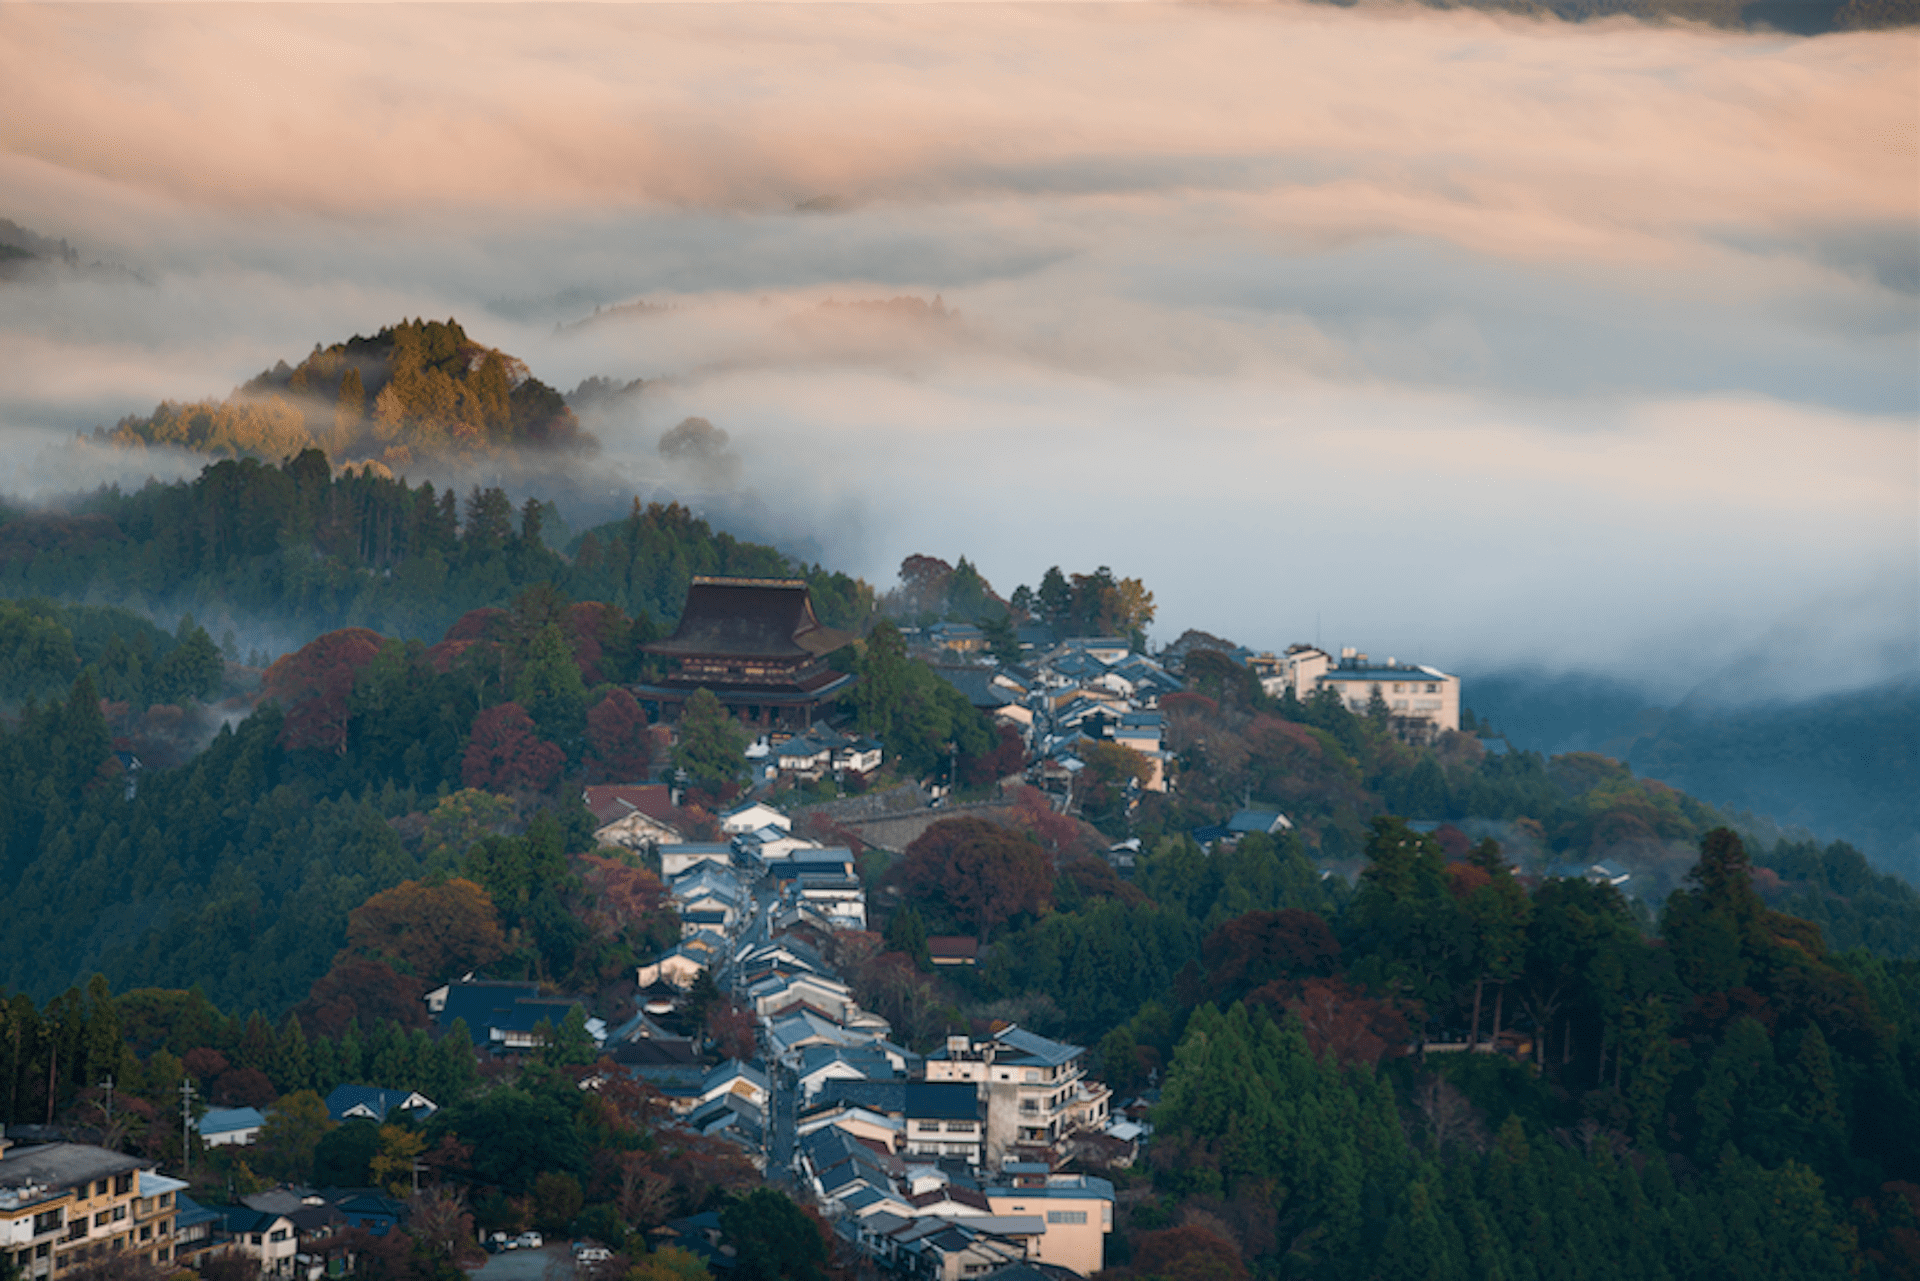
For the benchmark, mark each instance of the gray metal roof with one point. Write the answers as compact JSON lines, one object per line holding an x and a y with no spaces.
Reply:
{"x":61,"y":1165}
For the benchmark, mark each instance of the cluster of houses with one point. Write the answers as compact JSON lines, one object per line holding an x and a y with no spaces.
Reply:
{"x":65,"y":1205}
{"x":1066,"y":696}
{"x":949,"y":1165}
{"x":942,"y":1165}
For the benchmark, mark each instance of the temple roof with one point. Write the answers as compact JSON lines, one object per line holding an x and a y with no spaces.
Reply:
{"x":750,"y":618}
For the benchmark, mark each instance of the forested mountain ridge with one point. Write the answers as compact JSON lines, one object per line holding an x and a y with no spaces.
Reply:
{"x":1799,"y":17}
{"x":413,"y":391}
{"x":298,"y":549}
{"x":1846,"y":764}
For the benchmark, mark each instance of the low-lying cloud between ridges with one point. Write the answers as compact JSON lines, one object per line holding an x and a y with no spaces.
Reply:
{"x":1468,"y":336}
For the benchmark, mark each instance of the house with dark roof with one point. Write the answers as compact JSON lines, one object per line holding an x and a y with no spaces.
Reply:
{"x":633,"y":816}
{"x":194,"y":1226}
{"x":953,"y":950}
{"x":271,"y":1240}
{"x":500,"y":1015}
{"x":944,"y":1119}
{"x":372,"y":1103}
{"x":1265,"y":822}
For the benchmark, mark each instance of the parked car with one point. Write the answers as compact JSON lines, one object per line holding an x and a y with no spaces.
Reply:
{"x":584,"y":1253}
{"x":499,"y":1241}
{"x":529,"y":1241}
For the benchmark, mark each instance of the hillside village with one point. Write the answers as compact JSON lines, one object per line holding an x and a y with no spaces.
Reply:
{"x":966,"y":1160}
{"x":787,"y":1019}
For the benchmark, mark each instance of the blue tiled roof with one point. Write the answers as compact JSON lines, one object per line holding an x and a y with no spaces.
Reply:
{"x":227,"y":1120}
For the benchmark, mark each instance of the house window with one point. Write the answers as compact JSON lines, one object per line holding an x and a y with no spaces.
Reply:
{"x":123,"y":1185}
{"x":279,"y":1235}
{"x":1066,"y":1216}
{"x":166,"y":1200}
{"x":119,"y":1213}
{"x":1433,"y":689}
{"x":100,"y":1219}
{"x":146,"y":1233}
{"x":50,"y":1221}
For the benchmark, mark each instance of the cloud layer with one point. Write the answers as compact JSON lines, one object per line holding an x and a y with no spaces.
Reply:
{"x":1465,"y":337}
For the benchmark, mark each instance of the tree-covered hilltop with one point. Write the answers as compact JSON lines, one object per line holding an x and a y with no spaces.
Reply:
{"x":415,"y":390}
{"x":1846,"y":764}
{"x":303,"y":550}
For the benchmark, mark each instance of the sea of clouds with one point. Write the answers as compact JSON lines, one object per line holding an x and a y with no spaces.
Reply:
{"x":1462,"y":338}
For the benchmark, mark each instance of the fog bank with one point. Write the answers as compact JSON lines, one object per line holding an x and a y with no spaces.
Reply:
{"x":1469,"y":339}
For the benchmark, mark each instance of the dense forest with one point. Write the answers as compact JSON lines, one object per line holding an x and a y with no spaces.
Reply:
{"x":297,"y":549}
{"x":413,"y":391}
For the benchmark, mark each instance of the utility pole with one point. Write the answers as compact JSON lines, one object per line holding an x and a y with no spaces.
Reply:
{"x":107,"y":1085}
{"x":186,"y":1126}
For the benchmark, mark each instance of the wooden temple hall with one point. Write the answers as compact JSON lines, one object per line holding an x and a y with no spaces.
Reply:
{"x":756,"y":644}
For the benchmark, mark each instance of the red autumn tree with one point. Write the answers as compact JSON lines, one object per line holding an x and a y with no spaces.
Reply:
{"x":313,"y":684}
{"x":590,"y":625}
{"x":1055,"y":833}
{"x":1095,"y":878}
{"x":1261,"y":947}
{"x":619,"y":742}
{"x":204,"y":1063}
{"x":732,"y":1028}
{"x":429,"y":931}
{"x":1191,"y":1252}
{"x":975,"y":874}
{"x":243,"y":1088}
{"x":1008,"y":756}
{"x":1355,"y":1027}
{"x":476,"y":625}
{"x":357,"y":988}
{"x":505,"y":755}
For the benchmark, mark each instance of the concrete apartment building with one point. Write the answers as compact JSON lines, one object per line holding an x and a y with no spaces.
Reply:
{"x":1037,"y":1090}
{"x":1424,"y":702}
{"x":63,"y":1204}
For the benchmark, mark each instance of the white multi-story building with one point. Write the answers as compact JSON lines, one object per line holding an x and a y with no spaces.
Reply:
{"x":1037,"y":1090}
{"x":1423,"y":702}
